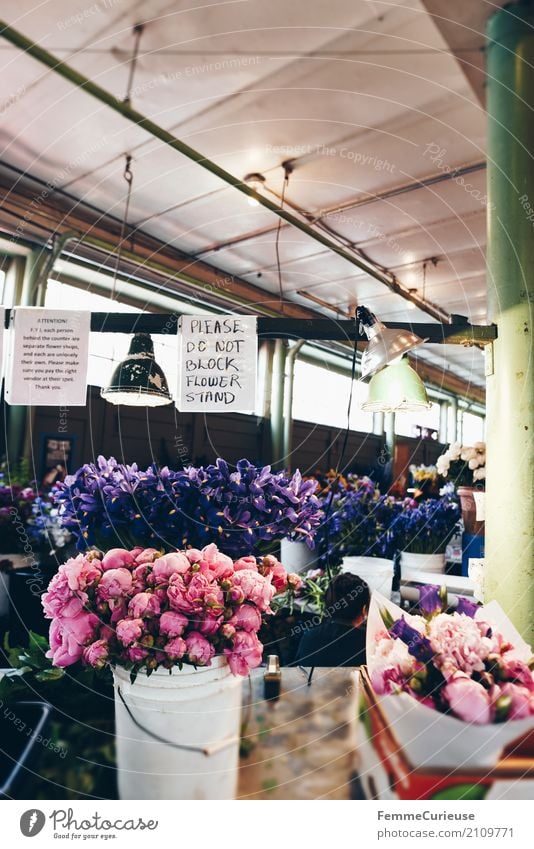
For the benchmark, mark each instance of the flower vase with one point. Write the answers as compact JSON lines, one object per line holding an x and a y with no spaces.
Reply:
{"x":472,"y":509}
{"x":377,"y":572}
{"x":412,"y":562}
{"x":178,"y":732}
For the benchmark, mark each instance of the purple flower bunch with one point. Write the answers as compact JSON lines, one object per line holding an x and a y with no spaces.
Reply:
{"x":109,"y":503}
{"x":359,"y":523}
{"x":425,"y":527}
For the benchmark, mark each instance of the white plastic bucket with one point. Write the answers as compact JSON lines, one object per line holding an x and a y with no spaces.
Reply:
{"x":199,"y":709}
{"x":411,"y":562}
{"x":376,"y":571}
{"x":295,"y":556}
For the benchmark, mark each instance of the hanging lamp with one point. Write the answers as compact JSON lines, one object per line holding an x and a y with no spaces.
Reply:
{"x":396,"y":388}
{"x":138,"y":381}
{"x":385,"y":345}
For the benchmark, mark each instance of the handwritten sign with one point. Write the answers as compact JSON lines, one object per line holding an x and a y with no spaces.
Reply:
{"x":47,"y":360}
{"x":218,"y":358}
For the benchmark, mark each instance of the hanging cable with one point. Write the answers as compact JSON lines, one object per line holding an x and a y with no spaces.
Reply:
{"x":288,"y":168}
{"x":128,"y":176}
{"x":138,"y":32}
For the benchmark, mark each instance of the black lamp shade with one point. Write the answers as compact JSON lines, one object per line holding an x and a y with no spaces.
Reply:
{"x":138,"y":380}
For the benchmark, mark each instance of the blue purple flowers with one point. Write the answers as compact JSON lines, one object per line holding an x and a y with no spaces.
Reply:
{"x":109,"y":503}
{"x":426,"y":527}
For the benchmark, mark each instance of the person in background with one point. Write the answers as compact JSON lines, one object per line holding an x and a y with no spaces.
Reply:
{"x":340,"y":638}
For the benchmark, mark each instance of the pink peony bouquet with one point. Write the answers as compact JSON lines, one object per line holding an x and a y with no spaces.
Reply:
{"x":144,"y":609}
{"x":460,"y":664}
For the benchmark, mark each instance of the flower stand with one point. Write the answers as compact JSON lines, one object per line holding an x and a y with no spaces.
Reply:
{"x":178,"y":734}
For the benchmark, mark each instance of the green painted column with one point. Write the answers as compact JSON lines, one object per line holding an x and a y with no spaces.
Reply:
{"x":510,"y":381}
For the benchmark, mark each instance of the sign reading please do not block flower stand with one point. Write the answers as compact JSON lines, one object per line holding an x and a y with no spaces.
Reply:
{"x":217,"y":363}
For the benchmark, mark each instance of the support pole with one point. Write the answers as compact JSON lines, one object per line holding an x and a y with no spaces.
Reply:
{"x":289,"y":382}
{"x":452,"y":431}
{"x":277,"y":401}
{"x":443,"y":416}
{"x":510,"y":388}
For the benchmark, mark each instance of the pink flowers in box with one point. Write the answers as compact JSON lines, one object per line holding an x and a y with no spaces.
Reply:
{"x":463,"y":664}
{"x":140,"y":609}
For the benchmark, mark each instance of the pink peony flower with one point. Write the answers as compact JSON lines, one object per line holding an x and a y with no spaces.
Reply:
{"x":129,"y":630}
{"x":522,"y":700}
{"x":140,"y":575}
{"x":246,"y":618}
{"x":193,"y":555}
{"x":144,"y":605}
{"x":115,"y":583}
{"x":69,"y":636}
{"x":136,"y":654}
{"x":519,"y":671}
{"x":468,"y":700}
{"x":60,"y":600}
{"x":294,"y":581}
{"x":208,"y":625}
{"x":245,"y":653}
{"x":175,"y":649}
{"x":227,"y":631}
{"x":247,"y":562}
{"x":256,"y":588}
{"x":116,"y":558}
{"x":172,"y":624}
{"x":147,"y":555}
{"x":271,"y":566}
{"x":119,"y":609}
{"x":195,"y":596}
{"x":96,"y":654}
{"x":199,"y":650}
{"x":459,"y":644}
{"x":168,"y":565}
{"x":81,"y":572}
{"x":220,"y":565}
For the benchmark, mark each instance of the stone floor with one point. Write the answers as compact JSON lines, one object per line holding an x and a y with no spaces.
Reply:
{"x":301,"y":746}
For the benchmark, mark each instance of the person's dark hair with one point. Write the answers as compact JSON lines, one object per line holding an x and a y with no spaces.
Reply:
{"x":350,"y":594}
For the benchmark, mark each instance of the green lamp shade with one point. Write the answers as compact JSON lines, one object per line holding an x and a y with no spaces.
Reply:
{"x":396,"y":388}
{"x":138,"y":381}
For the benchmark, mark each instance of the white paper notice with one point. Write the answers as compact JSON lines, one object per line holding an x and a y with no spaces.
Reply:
{"x":47,"y":361}
{"x":218,"y":363}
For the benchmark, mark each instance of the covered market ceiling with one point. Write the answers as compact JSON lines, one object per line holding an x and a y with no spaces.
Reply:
{"x":376,"y":106}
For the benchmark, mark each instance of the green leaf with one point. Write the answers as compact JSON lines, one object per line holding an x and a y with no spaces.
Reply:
{"x":465,"y":792}
{"x":53,"y":674}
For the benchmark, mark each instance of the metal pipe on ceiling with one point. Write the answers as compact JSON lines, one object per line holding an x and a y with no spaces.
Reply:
{"x":67,"y":72}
